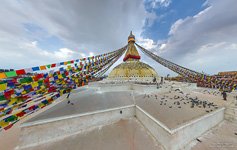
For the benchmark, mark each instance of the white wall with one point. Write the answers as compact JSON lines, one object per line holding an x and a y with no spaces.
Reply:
{"x":53,"y":129}
{"x":178,"y":138}
{"x":36,"y":133}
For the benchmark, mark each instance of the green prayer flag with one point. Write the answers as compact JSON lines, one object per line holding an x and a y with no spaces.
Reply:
{"x":11,"y":74}
{"x":40,"y":82}
{"x":64,"y":75}
{"x":26,"y":80}
{"x":48,"y":66}
{"x":11,"y":118}
{"x":2,"y":97}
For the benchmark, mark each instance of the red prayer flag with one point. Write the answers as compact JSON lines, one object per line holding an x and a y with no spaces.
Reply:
{"x":20,"y":72}
{"x":53,"y":65}
{"x":20,"y":114}
{"x":8,"y":127}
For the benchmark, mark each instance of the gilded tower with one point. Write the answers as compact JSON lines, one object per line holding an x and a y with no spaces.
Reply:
{"x":132,"y":69}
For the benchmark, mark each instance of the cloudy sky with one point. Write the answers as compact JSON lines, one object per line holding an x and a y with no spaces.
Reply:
{"x":198,"y":34}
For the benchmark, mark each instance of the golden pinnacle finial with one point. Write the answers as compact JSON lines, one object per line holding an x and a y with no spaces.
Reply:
{"x":132,"y":53}
{"x":131,"y":37}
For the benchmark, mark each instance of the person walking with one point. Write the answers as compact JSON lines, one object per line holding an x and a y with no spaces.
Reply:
{"x":69,"y":92}
{"x":224,"y":94}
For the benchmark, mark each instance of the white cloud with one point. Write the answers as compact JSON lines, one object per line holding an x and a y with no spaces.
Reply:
{"x":83,"y":55}
{"x":64,"y":54}
{"x":146,"y":43}
{"x":84,"y":26}
{"x":206,"y":41}
{"x":175,"y":26}
{"x":91,"y":54}
{"x":157,"y":3}
{"x":162,"y":46}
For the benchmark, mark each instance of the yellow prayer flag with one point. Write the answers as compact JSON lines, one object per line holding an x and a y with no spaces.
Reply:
{"x":13,"y":100}
{"x":34,"y":84}
{"x":3,"y":86}
{"x":3,"y":124}
{"x":23,"y":92}
{"x":60,"y":76}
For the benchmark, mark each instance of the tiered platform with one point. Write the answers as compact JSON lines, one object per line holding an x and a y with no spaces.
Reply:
{"x":124,"y":116}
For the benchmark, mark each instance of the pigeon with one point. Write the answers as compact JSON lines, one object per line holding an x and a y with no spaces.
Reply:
{"x":198,"y":140}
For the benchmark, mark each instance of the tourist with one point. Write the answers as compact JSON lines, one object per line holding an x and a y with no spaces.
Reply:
{"x":69,"y":92}
{"x":224,"y":95}
{"x":162,"y":80}
{"x":157,"y":86}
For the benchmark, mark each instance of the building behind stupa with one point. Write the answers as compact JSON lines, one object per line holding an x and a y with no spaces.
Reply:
{"x":132,"y":69}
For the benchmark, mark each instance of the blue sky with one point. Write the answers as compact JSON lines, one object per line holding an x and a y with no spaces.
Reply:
{"x":168,"y":15}
{"x":43,"y":38}
{"x":198,"y":34}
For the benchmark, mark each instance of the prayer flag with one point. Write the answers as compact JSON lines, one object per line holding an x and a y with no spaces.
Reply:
{"x":42,"y":67}
{"x":35,"y":68}
{"x":34,"y":84}
{"x":61,"y":63}
{"x":8,"y":127}
{"x":3,"y":86}
{"x":53,"y":65}
{"x":2,"y":75}
{"x":28,"y":70}
{"x":20,"y":72}
{"x":48,"y":66}
{"x":11,"y":74}
{"x":57,"y":64}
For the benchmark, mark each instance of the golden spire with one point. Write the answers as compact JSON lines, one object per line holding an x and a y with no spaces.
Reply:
{"x":132,"y":53}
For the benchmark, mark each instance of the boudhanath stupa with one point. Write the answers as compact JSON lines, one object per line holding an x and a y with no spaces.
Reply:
{"x":131,"y":109}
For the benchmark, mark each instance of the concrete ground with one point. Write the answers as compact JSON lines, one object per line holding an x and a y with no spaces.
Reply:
{"x":162,"y":103}
{"x":86,"y":101}
{"x":126,"y":134}
{"x":222,"y":137}
{"x":170,"y":106}
{"x":173,"y":108}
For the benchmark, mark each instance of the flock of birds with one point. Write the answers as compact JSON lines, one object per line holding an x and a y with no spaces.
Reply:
{"x":215,"y":93}
{"x":179,"y":98}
